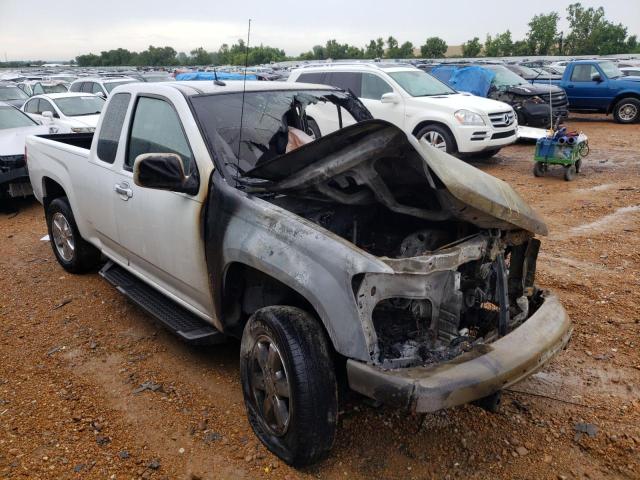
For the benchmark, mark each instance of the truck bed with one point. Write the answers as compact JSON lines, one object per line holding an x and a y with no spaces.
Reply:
{"x":82,"y":140}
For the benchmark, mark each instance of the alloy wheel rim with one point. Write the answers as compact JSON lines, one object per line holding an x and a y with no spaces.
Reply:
{"x":628,"y":111}
{"x":436,"y":140}
{"x":270,"y":386}
{"x":63,"y":236}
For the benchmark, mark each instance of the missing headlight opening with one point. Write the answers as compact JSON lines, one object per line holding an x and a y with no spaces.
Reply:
{"x":452,"y":312}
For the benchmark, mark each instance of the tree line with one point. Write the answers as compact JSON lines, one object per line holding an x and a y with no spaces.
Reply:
{"x":589,"y":33}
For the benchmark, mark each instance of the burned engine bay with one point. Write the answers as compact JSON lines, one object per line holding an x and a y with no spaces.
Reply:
{"x":458,"y":242}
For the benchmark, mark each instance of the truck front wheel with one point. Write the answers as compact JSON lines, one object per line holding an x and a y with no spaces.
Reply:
{"x":627,"y":110}
{"x":72,"y":252}
{"x":289,"y":384}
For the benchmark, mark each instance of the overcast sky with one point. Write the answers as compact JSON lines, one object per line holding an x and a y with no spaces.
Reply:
{"x":62,"y":29}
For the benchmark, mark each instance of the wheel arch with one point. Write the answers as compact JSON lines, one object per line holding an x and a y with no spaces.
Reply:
{"x":51,"y":189}
{"x":622,"y":96}
{"x":246,"y":289}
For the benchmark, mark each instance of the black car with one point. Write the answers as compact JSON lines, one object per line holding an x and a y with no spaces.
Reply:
{"x":531,"y":74}
{"x":532,"y":102}
{"x":537,"y":105}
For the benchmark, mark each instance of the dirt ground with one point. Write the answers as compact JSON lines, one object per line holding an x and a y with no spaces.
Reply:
{"x":74,"y":354}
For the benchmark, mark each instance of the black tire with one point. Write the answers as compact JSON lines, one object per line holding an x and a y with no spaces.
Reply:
{"x":486,"y":154}
{"x":436,"y":130}
{"x":569,"y":173}
{"x":313,"y":129}
{"x":578,"y":165}
{"x":627,"y":110}
{"x":302,"y":357}
{"x":79,"y":256}
{"x":539,"y":169}
{"x":490,"y":403}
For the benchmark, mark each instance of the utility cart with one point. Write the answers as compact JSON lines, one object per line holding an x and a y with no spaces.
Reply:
{"x":565,"y":149}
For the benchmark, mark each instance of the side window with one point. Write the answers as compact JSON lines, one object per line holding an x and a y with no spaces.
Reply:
{"x":76,"y":87}
{"x":583,"y":73}
{"x":37,"y":89}
{"x":96,"y":88}
{"x":349,"y":81}
{"x":156,"y":128}
{"x":373,"y":87}
{"x":311,"y":77}
{"x":112,"y":126}
{"x":45,"y":106}
{"x":32,"y":106}
{"x":86,"y":87}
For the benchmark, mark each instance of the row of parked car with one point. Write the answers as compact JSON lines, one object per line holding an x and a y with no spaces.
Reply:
{"x":460,"y":108}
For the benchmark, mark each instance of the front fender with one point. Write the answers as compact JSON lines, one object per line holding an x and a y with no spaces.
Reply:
{"x":314,"y":262}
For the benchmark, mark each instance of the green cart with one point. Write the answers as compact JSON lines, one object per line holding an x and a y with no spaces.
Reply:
{"x":567,"y":151}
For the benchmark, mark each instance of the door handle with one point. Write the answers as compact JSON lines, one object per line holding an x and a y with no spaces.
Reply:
{"x":123,"y":190}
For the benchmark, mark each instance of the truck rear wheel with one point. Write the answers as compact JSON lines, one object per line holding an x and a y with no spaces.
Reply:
{"x":72,"y":252}
{"x":289,"y":384}
{"x":627,"y":110}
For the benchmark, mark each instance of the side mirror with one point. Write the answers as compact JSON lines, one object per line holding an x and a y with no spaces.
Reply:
{"x":163,"y":171}
{"x":47,"y":114}
{"x":597,"y":78}
{"x":390,"y":97}
{"x":99,"y":94}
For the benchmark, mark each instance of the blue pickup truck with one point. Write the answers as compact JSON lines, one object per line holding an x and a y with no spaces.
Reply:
{"x":598,"y":86}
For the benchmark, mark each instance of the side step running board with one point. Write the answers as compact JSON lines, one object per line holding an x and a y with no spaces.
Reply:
{"x":179,"y":320}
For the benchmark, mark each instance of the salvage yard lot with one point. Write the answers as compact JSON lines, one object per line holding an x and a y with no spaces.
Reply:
{"x":91,"y":387}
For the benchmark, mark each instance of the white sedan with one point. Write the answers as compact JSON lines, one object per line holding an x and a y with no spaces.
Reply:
{"x":76,"y":111}
{"x":15,"y":126}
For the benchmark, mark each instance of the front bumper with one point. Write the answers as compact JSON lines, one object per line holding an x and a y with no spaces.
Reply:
{"x":537,"y":114}
{"x":16,"y":182}
{"x":474,"y":139}
{"x":472,"y":375}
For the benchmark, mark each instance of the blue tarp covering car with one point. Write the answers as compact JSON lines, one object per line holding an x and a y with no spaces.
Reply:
{"x":211,"y":76}
{"x":472,"y":79}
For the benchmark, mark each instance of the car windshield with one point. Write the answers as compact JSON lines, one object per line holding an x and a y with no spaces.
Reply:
{"x":610,"y":69}
{"x":270,"y":122}
{"x":111,"y":85}
{"x":78,"y":106}
{"x":505,"y":77}
{"x":420,"y":84}
{"x":14,"y":118}
{"x":59,"y":88}
{"x":523,"y":70}
{"x":12,"y":93}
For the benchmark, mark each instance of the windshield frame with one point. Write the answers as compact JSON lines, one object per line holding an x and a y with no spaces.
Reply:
{"x":77,"y":97}
{"x":403,"y":86}
{"x":19,"y":114}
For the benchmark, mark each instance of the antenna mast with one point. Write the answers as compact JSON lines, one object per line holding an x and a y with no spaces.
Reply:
{"x":244,"y":88}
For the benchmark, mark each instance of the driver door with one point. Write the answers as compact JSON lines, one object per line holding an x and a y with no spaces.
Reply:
{"x":159,"y":231}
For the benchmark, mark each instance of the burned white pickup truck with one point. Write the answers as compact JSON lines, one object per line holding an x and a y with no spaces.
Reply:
{"x":363,"y":254}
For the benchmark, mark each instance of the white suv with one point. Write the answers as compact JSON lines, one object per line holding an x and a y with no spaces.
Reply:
{"x":421,"y":105}
{"x":98,"y":85}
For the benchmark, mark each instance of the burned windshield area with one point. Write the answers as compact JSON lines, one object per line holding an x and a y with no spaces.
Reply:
{"x":246,"y":133}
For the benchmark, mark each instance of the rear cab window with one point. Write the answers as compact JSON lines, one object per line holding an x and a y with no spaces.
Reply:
{"x":111,"y":127}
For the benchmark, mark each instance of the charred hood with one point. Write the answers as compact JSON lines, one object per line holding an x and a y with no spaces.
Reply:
{"x":533,"y":89}
{"x":374,"y":162}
